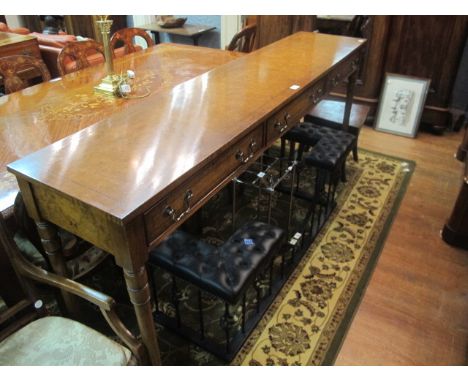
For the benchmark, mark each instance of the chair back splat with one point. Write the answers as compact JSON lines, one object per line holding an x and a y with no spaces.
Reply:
{"x":126,"y":36}
{"x":74,"y":56}
{"x":244,"y":40}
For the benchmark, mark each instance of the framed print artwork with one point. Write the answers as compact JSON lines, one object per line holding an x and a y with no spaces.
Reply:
{"x":401,"y":104}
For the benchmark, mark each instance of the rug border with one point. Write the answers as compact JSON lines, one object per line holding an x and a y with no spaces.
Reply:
{"x":356,"y":299}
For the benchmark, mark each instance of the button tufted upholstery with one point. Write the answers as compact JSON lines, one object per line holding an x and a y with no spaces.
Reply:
{"x":332,"y":148}
{"x":305,"y":133}
{"x":225,"y":271}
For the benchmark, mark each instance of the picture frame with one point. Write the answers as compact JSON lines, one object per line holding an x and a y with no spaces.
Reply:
{"x":401,"y":104}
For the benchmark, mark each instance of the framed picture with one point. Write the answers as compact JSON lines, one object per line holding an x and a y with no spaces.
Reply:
{"x":401,"y":104}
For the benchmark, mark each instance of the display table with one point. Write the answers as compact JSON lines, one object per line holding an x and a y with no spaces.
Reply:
{"x":187,"y":30}
{"x":114,"y":182}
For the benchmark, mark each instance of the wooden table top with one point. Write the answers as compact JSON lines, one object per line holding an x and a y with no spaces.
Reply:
{"x":188,"y":30}
{"x":126,"y":162}
{"x":13,"y":38}
{"x":40,"y":115}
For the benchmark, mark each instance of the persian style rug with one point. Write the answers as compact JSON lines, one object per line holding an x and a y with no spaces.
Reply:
{"x":308,"y":319}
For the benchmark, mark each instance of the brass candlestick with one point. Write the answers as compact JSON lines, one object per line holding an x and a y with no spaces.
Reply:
{"x":110,"y":83}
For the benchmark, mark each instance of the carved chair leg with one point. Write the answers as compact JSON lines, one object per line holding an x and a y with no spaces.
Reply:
{"x":53,"y":248}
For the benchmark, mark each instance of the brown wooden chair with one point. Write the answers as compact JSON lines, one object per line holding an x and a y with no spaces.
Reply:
{"x":126,"y":37}
{"x":12,"y":66}
{"x":244,"y":40}
{"x":28,"y":336}
{"x":78,"y":55}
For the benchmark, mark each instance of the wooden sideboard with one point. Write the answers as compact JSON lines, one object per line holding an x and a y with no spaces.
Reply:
{"x":128,"y":181}
{"x":273,"y":28}
{"x":16,"y":44}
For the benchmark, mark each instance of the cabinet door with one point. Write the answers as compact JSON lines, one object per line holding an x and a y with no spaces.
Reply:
{"x":430,"y":47}
{"x":273,"y":28}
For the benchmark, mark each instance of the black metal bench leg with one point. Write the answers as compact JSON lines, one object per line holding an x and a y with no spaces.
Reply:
{"x":343,"y":171}
{"x":270,"y":277}
{"x":259,"y":291}
{"x":244,"y":311}
{"x":234,"y":205}
{"x":227,"y":320}
{"x":355,"y":153}
{"x":153,"y":287}
{"x":200,"y":313}
{"x":175,"y":300}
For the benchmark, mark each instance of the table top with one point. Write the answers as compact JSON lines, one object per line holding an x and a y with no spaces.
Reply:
{"x":45,"y":113}
{"x":125,"y":163}
{"x":188,"y":30}
{"x":13,"y":38}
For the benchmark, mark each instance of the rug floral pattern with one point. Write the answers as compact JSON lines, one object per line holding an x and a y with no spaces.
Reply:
{"x":301,"y":324}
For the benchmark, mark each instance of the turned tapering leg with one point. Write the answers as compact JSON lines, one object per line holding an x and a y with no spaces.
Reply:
{"x":139,"y":292}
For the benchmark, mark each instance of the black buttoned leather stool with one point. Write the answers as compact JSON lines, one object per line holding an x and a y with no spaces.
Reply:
{"x":330,"y":148}
{"x":225,"y":272}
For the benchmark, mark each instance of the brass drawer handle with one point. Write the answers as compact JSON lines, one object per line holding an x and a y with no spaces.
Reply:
{"x":281,"y":127}
{"x":355,"y":64}
{"x":316,"y":96}
{"x":240,"y":156}
{"x":336,"y":79}
{"x":169,"y":211}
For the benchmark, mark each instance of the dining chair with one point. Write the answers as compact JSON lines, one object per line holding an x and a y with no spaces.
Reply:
{"x":244,"y":40}
{"x":77,"y":55}
{"x":126,"y":37}
{"x":29,"y":336}
{"x":11,"y":68}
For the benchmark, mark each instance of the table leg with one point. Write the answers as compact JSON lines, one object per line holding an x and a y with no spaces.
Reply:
{"x":139,"y":292}
{"x":195,"y":39}
{"x":53,"y":248}
{"x":156,"y":37}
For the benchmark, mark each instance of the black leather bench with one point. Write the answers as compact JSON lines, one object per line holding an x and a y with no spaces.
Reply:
{"x":226,"y":271}
{"x":330,"y":148}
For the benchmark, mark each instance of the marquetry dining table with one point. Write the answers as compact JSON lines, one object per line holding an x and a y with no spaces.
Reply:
{"x":124,"y":174}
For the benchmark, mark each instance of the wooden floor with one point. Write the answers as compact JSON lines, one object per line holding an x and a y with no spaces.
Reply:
{"x":415,"y":309}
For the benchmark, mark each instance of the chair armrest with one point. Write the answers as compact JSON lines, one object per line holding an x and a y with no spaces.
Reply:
{"x":33,"y":272}
{"x":104,"y":302}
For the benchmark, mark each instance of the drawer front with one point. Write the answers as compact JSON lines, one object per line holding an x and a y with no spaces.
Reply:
{"x":343,"y":71}
{"x":176,"y":207}
{"x":292,"y":113}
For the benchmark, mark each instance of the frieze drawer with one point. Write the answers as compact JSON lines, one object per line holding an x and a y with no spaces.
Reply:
{"x":343,"y":71}
{"x":292,"y":113}
{"x":176,"y":207}
{"x":287,"y":117}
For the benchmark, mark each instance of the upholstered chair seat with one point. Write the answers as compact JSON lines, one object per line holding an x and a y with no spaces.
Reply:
{"x":58,"y":341}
